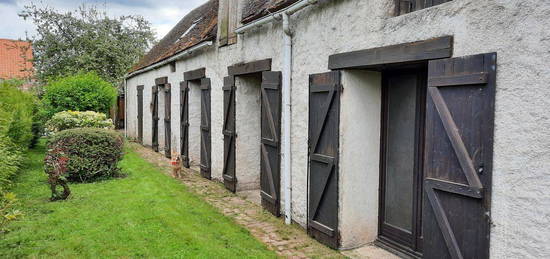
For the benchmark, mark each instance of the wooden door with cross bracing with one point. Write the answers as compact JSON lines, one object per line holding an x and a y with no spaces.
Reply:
{"x":167,"y":120}
{"x":140,"y":112}
{"x":324,"y":120}
{"x":184,"y":123}
{"x":229,"y":134}
{"x":458,"y":157}
{"x":206,"y":146}
{"x":155,"y":118}
{"x":270,"y":146}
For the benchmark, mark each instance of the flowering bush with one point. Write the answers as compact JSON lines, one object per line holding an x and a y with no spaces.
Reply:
{"x":73,"y":119}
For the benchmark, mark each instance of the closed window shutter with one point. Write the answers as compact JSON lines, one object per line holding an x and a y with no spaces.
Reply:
{"x":223,"y":22}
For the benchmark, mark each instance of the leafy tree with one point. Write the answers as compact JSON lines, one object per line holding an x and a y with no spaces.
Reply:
{"x":86,"y":40}
{"x":80,"y":92}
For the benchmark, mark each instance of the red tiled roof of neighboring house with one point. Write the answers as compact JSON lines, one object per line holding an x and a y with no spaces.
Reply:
{"x":198,"y":26}
{"x":15,"y":59}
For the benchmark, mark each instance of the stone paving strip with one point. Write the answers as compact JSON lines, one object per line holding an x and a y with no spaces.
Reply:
{"x":288,"y":241}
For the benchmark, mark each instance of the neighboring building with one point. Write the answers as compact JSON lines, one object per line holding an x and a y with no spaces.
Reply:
{"x":15,"y":59}
{"x":421,"y":126}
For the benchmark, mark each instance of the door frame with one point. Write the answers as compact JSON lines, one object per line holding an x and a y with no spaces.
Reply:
{"x":243,"y":69}
{"x":386,"y":234}
{"x":195,"y":76}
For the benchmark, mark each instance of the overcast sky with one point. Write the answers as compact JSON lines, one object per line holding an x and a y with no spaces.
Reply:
{"x":163,"y":14}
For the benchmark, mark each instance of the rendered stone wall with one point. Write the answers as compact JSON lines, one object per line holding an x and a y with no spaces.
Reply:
{"x":516,"y":30}
{"x":248,"y":132}
{"x":360,"y":109}
{"x":194,"y":123}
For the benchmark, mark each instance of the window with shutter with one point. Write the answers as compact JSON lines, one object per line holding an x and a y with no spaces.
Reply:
{"x":408,"y":6}
{"x":228,"y":22}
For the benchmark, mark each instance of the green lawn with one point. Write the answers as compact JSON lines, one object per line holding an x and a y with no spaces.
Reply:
{"x":146,"y":214}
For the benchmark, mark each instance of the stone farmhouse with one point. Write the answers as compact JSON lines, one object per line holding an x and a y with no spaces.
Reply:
{"x":419,"y":125}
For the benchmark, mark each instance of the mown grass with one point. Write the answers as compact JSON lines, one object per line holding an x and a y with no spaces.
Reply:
{"x":145,"y":214}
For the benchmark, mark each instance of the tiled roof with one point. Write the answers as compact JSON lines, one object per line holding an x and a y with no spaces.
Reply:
{"x":15,"y":59}
{"x":254,"y":9}
{"x":198,"y":26}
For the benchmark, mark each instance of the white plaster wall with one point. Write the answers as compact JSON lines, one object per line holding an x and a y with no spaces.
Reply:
{"x":195,"y":123}
{"x":517,"y":30}
{"x":360,"y":111}
{"x":248,"y":127}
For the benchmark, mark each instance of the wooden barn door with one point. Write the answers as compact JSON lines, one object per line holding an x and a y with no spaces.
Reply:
{"x":155,"y":118}
{"x":167,"y":120}
{"x":206,"y":147}
{"x":324,"y":119}
{"x":458,"y":157}
{"x":229,"y":134}
{"x":270,"y":141}
{"x":184,"y":123}
{"x":140,"y":113}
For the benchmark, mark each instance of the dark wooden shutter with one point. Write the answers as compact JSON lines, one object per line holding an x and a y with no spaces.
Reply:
{"x":229,"y":134}
{"x":140,"y":112}
{"x":407,"y":6}
{"x":155,"y":118}
{"x":167,"y":120}
{"x":324,"y":119}
{"x":206,"y":148}
{"x":270,"y":141}
{"x":458,"y":157}
{"x":184,"y":123}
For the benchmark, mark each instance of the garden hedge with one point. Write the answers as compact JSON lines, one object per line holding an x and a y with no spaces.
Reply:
{"x":80,"y":92}
{"x":17,"y":110}
{"x":88,"y":154}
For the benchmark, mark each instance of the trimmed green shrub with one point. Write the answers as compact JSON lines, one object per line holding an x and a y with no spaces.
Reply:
{"x":85,"y":154}
{"x":74,"y":119}
{"x":10,"y":161}
{"x":16,"y":113}
{"x":81,"y":92}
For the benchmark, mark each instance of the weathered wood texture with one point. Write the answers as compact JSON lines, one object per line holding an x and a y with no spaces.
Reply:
{"x":250,"y":67}
{"x":184,"y":123}
{"x":324,"y":122}
{"x":270,"y":176}
{"x":229,"y":134}
{"x":206,"y":142}
{"x":161,"y":80}
{"x":155,"y":118}
{"x":194,"y":74}
{"x":458,"y":157}
{"x":394,"y":54}
{"x":140,"y":112}
{"x":167,"y":120}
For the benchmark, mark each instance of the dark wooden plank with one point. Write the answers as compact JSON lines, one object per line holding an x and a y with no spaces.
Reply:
{"x":206,"y":142}
{"x":228,"y":130}
{"x":167,"y":121}
{"x":184,"y":123}
{"x":407,"y":52}
{"x":466,"y":79}
{"x":250,"y":67}
{"x":161,"y":80}
{"x":458,"y":159}
{"x":195,"y":74}
{"x":140,"y":112}
{"x":323,"y":138}
{"x":270,"y":162}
